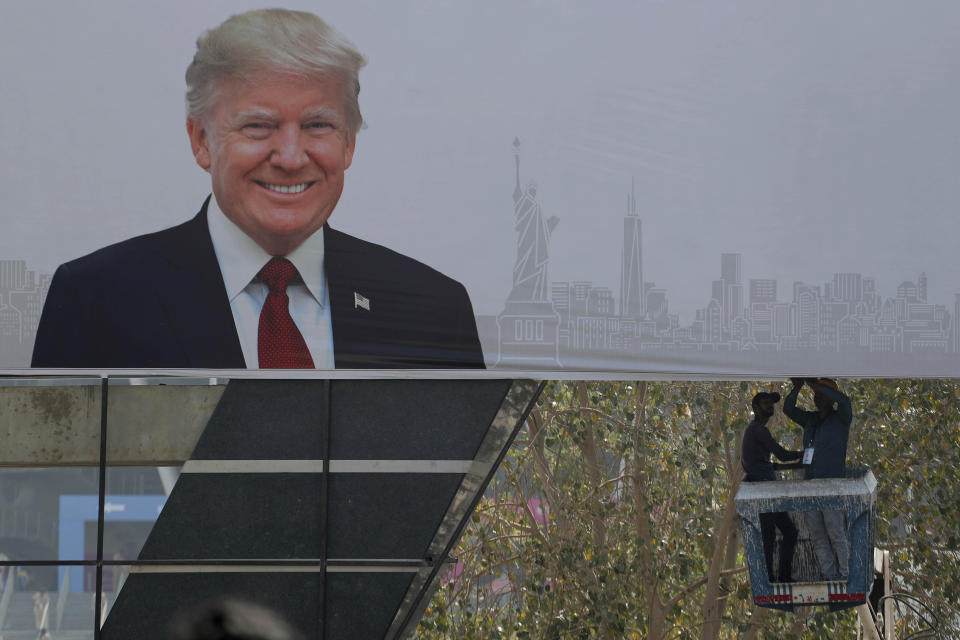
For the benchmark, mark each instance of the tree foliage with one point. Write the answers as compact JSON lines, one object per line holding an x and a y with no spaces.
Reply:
{"x":639,"y":537}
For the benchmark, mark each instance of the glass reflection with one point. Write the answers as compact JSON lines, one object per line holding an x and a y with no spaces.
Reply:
{"x":43,"y":512}
{"x":42,"y":602}
{"x":135,"y":497}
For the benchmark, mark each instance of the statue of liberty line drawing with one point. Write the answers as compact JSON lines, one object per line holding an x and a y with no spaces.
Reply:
{"x":529,"y":325}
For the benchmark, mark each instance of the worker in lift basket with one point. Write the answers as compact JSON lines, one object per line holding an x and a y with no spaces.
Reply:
{"x":825,"y":435}
{"x":758,"y":444}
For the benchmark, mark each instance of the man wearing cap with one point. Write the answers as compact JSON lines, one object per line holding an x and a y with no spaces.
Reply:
{"x":758,"y":444}
{"x":825,"y":434}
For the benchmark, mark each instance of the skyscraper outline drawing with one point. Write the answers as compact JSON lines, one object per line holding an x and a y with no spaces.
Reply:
{"x":631,"y":261}
{"x":844,"y":315}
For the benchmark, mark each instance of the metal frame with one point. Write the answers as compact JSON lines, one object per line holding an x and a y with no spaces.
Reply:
{"x":494,"y":446}
{"x":477,"y":473}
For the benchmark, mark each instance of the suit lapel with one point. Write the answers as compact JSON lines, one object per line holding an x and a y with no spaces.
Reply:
{"x":336,"y":265}
{"x":195,"y":301}
{"x":355,"y":328}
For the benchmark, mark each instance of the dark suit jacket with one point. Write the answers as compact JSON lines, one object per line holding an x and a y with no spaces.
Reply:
{"x":158,"y":301}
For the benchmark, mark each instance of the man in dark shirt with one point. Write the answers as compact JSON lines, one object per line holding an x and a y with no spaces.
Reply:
{"x":758,"y":444}
{"x":825,"y":434}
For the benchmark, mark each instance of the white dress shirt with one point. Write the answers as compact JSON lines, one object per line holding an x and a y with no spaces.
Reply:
{"x":240,"y":261}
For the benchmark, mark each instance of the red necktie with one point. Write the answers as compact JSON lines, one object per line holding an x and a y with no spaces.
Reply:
{"x":280,"y":345}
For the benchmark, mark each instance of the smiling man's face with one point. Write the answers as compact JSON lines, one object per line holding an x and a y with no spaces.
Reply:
{"x":276,"y":150}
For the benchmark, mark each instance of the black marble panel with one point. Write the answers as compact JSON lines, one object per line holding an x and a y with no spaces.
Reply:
{"x":148,"y":602}
{"x":262,"y":516}
{"x":361,"y":606}
{"x":386,"y":515}
{"x":412,"y":419}
{"x":266,"y":419}
{"x":239,"y":516}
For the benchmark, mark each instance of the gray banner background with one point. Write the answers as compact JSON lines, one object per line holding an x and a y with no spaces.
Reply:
{"x":817,"y":141}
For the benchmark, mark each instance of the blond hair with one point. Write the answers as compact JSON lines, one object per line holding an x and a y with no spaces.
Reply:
{"x":279,"y":40}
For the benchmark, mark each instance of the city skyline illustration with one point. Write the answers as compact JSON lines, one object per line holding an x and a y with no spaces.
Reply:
{"x":582,"y":325}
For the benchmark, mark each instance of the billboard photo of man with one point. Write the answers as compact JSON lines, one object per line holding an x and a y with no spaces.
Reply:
{"x":258,"y":278}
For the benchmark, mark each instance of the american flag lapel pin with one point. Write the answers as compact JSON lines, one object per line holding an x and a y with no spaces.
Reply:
{"x":361,"y":301}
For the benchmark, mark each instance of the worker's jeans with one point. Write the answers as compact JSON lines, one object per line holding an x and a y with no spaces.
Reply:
{"x":829,"y":537}
{"x":769,"y":523}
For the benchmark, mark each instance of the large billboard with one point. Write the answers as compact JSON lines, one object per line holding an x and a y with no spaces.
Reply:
{"x":664,"y":188}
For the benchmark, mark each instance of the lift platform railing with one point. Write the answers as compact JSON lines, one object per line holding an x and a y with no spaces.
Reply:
{"x":855,"y":496}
